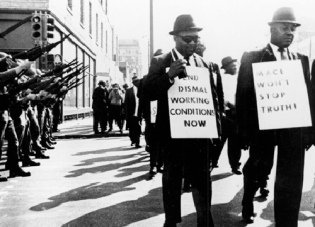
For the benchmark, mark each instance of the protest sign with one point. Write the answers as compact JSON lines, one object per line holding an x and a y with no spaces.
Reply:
{"x":191,"y":109}
{"x":153,"y":111}
{"x":281,"y":94}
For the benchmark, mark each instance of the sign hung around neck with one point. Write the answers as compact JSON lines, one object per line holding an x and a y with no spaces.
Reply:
{"x":281,"y":94}
{"x":191,"y":109}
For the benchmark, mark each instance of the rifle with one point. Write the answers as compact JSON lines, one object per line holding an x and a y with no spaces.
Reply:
{"x":35,"y":52}
{"x":13,"y":27}
{"x":59,"y":70}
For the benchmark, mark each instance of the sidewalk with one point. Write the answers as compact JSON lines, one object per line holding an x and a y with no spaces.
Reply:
{"x":83,"y":128}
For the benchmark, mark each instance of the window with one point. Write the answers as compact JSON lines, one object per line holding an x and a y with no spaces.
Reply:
{"x":90,"y":18}
{"x":82,"y":11}
{"x":102,"y":36}
{"x":70,"y":4}
{"x":106,"y":42}
{"x":96,"y":28}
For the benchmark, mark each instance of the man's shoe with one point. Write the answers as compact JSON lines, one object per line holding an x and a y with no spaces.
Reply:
{"x":236,"y":171}
{"x":264,"y":192}
{"x":32,"y":153}
{"x":18,"y":172}
{"x":30,"y":163}
{"x":41,"y":156}
{"x":52,"y":138}
{"x":3,"y":179}
{"x":159,"y":169}
{"x":49,"y":147}
{"x":121,"y":131}
{"x":248,"y":218}
{"x":38,"y":147}
{"x":138,"y":146}
{"x":167,"y":224}
{"x":152,"y":172}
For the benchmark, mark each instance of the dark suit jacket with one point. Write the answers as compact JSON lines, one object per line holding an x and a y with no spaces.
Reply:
{"x":246,"y":106}
{"x":130,"y":104}
{"x":99,"y":99}
{"x":157,"y":84}
{"x":144,"y":100}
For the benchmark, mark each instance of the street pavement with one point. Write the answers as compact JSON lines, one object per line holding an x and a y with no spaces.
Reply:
{"x":103,"y":181}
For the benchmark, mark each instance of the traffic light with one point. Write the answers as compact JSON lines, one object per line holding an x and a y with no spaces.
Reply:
{"x":48,"y":27}
{"x":36,"y":23}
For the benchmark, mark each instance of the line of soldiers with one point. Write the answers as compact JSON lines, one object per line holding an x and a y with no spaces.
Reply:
{"x":27,"y":98}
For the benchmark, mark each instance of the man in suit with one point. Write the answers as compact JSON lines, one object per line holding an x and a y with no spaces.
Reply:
{"x":291,"y":142}
{"x":133,"y":112}
{"x":180,"y":153}
{"x":100,"y":107}
{"x":229,"y":129}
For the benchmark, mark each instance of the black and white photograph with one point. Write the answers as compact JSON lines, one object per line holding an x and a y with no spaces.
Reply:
{"x":157,"y":113}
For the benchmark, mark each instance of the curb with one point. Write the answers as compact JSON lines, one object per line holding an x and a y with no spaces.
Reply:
{"x":90,"y":136}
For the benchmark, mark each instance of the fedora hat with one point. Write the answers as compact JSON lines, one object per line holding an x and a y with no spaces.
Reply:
{"x":284,"y":15}
{"x":226,"y":61}
{"x":184,"y":23}
{"x":101,"y":82}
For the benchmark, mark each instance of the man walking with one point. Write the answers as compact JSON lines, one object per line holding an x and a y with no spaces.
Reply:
{"x":291,"y":142}
{"x":179,"y":154}
{"x":99,"y":106}
{"x":133,"y":112}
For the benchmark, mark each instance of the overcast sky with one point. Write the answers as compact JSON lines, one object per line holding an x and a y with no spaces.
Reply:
{"x":230,"y":27}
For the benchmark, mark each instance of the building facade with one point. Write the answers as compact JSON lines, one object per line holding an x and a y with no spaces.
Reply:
{"x":92,"y":41}
{"x":130,"y":58}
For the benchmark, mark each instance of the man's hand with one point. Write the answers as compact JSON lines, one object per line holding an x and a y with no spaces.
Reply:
{"x":25,"y":65}
{"x":176,"y":68}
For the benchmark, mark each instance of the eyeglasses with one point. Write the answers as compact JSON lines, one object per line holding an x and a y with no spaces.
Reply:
{"x":188,"y":39}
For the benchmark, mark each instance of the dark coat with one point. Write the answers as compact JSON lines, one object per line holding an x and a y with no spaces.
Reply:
{"x":246,"y":106}
{"x":99,"y":99}
{"x":130,"y":104}
{"x":158,"y":83}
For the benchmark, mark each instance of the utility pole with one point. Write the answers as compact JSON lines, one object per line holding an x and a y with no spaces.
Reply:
{"x":151,"y":30}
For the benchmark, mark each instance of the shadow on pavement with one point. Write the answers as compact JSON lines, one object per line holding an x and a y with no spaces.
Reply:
{"x":109,"y":167}
{"x":91,"y":191}
{"x":124,"y":213}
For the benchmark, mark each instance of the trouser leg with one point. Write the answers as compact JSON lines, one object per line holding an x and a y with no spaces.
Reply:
{"x":289,"y":178}
{"x":255,"y":170}
{"x":96,"y":120}
{"x":13,"y":146}
{"x":234,"y":151}
{"x":171,"y":182}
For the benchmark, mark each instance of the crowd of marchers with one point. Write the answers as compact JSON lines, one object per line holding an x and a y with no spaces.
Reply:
{"x":186,"y":162}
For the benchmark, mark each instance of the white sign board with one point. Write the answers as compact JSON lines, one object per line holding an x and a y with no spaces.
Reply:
{"x":153,"y":111}
{"x":281,"y":94}
{"x":191,"y":109}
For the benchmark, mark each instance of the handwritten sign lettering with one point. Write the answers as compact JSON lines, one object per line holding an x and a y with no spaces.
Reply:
{"x":281,"y":94}
{"x":191,"y":109}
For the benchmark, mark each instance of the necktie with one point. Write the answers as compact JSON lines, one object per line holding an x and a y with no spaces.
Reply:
{"x":283,"y":54}
{"x":187,"y":59}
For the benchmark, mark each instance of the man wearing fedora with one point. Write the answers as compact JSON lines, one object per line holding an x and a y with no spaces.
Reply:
{"x":291,"y":142}
{"x":99,"y":106}
{"x":133,"y":112}
{"x":229,"y":127}
{"x":179,"y":154}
